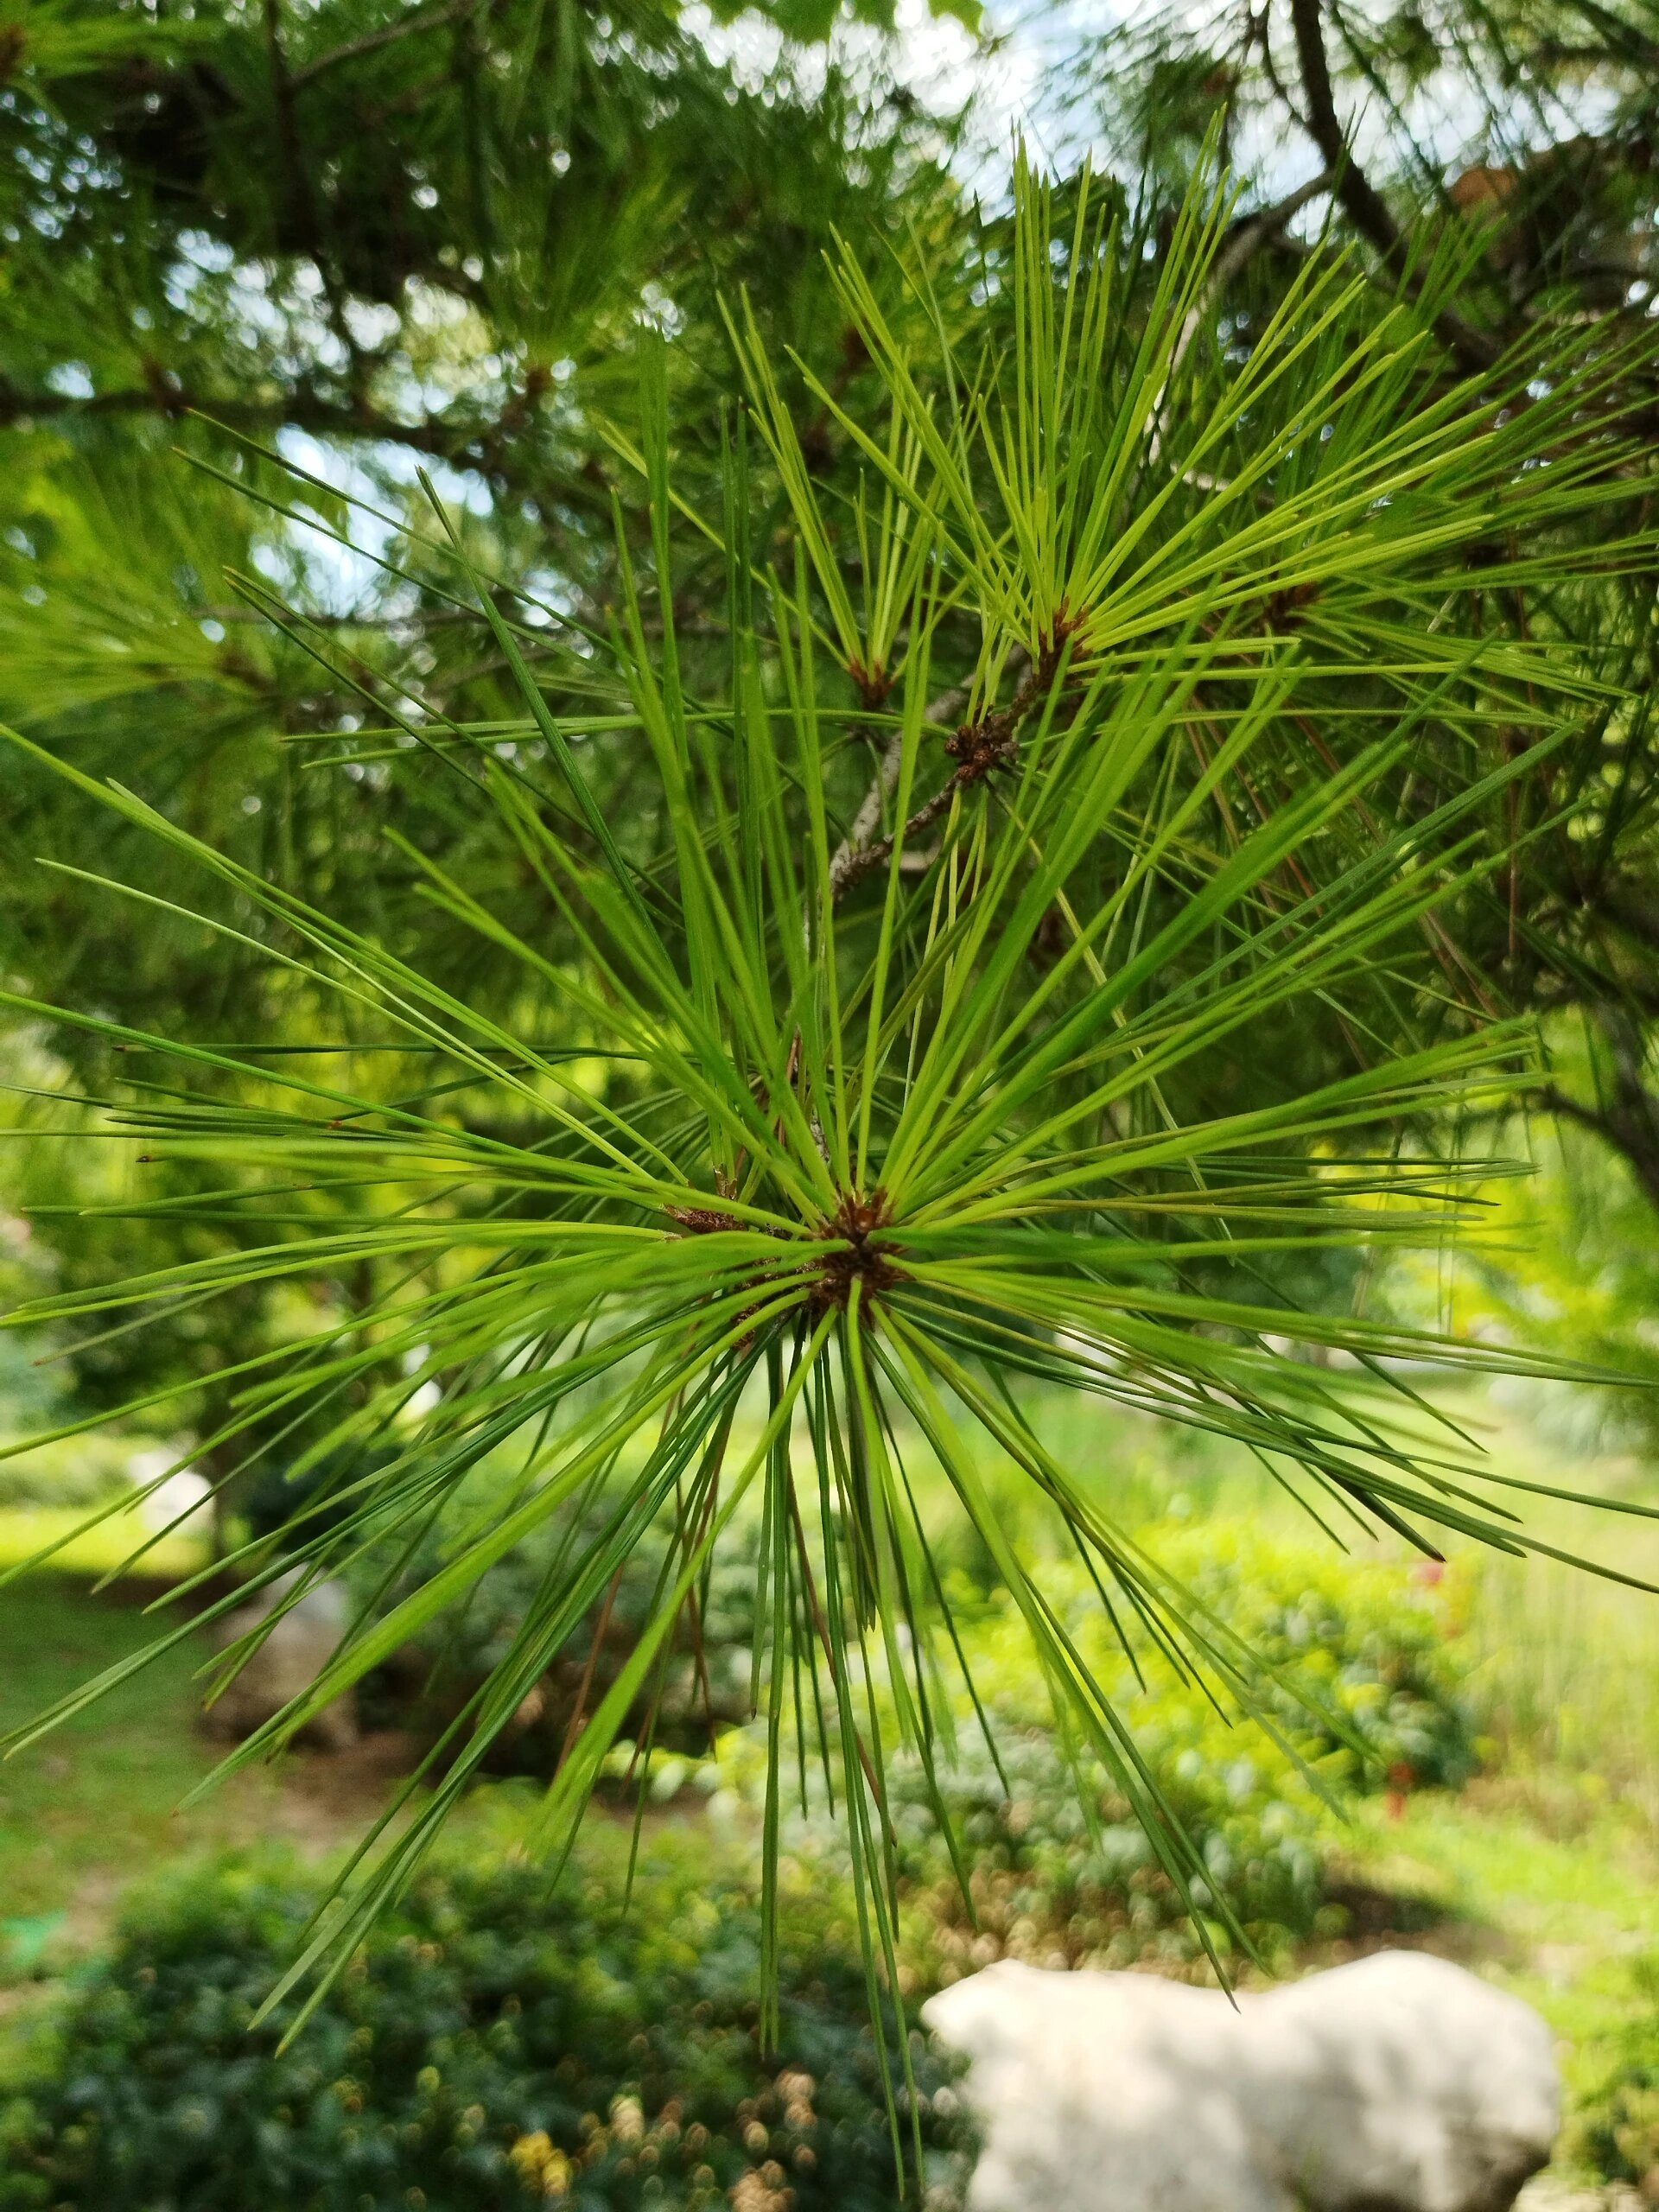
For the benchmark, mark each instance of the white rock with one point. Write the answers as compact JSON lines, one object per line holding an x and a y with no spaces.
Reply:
{"x":178,"y":1500}
{"x":286,"y":1663}
{"x":1400,"y":2083}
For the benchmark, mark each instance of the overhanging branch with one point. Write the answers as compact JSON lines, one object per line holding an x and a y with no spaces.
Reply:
{"x":1360,"y":200}
{"x":474,"y":443}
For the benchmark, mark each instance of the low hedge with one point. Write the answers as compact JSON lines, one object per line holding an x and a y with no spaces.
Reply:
{"x":705,"y":1684}
{"x":1378,"y":1645}
{"x":1613,"y":2136}
{"x":492,"y":2044}
{"x":1367,"y":1694}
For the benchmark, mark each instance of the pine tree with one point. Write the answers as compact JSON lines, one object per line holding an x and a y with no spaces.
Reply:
{"x":367,"y":240}
{"x":1521,"y":138}
{"x":1038,"y":938}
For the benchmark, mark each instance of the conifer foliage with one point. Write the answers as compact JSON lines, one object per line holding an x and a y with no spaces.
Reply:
{"x":935,"y":1038}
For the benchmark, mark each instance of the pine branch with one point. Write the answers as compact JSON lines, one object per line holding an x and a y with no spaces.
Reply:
{"x":296,"y":176}
{"x":860,"y":850}
{"x":1247,"y":238}
{"x":164,"y":395}
{"x":1361,"y":201}
{"x":373,"y":41}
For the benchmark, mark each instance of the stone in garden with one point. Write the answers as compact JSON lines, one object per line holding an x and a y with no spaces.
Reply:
{"x":286,"y":1664}
{"x":1400,"y":2083}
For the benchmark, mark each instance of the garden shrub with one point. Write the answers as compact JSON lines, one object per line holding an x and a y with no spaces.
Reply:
{"x":705,"y":1685}
{"x":1614,"y":2135}
{"x":1376,"y":1644}
{"x":1060,"y":1870}
{"x":1373,"y":1643}
{"x":492,"y":2044}
{"x":1061,"y":1873}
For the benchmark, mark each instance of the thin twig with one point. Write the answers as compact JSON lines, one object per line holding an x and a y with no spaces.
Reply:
{"x":372,"y":42}
{"x":1246,"y":241}
{"x":860,"y":850}
{"x":1360,"y":200}
{"x":579,"y":1716}
{"x":885,"y":782}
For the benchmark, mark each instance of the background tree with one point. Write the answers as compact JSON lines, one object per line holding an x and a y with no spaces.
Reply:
{"x":378,"y":239}
{"x":1524,"y":136}
{"x":869,"y":1100}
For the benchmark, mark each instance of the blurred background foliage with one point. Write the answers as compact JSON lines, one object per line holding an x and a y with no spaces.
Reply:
{"x":500,"y":2046}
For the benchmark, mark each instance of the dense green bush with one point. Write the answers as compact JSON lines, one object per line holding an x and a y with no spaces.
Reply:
{"x":1377,"y":1645}
{"x":703,"y":1686}
{"x":1373,"y":1644}
{"x":1614,"y":2135}
{"x":1366,"y":1691}
{"x":493,"y":2045}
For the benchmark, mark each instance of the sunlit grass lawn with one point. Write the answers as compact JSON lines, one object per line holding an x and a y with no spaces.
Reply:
{"x":91,"y":1806}
{"x":25,"y":1531}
